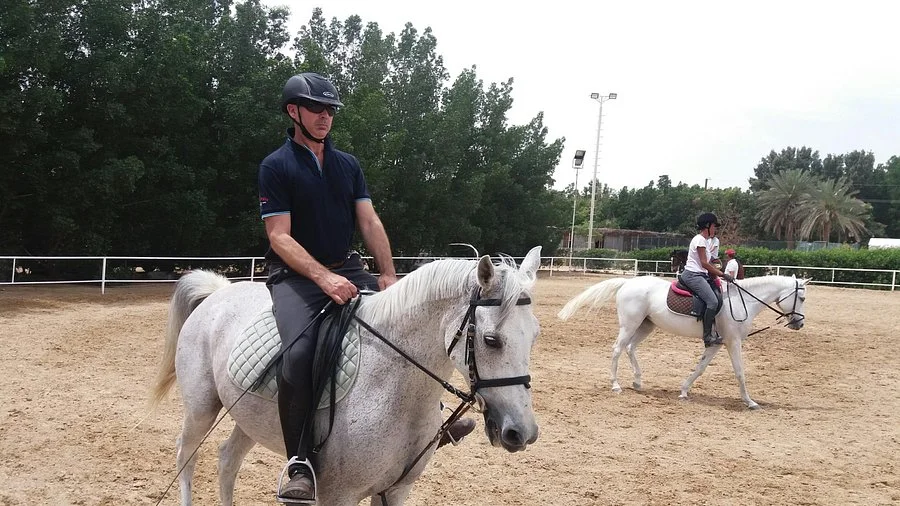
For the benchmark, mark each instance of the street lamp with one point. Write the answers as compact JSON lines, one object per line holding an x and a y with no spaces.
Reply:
{"x":577,"y":163}
{"x":601,"y":99}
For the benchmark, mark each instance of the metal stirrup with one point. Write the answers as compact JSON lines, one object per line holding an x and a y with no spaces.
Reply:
{"x":284,"y":473}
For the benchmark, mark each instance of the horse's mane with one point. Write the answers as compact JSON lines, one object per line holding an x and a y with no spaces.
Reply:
{"x":448,"y":279}
{"x":757,"y":281}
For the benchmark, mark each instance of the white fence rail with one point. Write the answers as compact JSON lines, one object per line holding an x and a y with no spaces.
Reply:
{"x":119,"y":270}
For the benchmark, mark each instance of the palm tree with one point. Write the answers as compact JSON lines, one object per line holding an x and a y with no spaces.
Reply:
{"x":781,"y":203}
{"x":831,"y":205}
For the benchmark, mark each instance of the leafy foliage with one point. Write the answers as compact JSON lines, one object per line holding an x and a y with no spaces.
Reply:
{"x":137,"y":129}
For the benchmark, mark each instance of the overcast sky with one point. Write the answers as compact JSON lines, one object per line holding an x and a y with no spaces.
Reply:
{"x":705,"y":89}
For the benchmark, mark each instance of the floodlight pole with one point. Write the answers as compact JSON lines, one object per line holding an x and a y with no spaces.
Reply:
{"x":576,"y":166}
{"x":597,"y":97}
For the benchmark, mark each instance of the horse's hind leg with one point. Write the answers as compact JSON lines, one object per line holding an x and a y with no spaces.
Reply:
{"x":639,"y":335}
{"x":708,"y":354}
{"x":231,"y":455}
{"x":196,"y":424}
{"x":624,"y":340}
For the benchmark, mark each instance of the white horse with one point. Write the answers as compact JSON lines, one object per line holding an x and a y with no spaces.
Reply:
{"x":641,"y":304}
{"x":392,"y":412}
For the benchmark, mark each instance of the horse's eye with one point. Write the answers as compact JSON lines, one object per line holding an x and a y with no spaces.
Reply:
{"x":492,"y":341}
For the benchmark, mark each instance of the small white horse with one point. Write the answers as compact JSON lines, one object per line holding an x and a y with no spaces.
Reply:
{"x":391,"y":413}
{"x":641,"y":304}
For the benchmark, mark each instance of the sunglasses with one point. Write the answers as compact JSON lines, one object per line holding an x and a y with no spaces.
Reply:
{"x":317,"y":108}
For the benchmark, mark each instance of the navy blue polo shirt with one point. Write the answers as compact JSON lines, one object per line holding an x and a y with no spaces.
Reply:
{"x":320,"y":200}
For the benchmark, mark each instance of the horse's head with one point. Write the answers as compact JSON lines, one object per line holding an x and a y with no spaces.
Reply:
{"x":495,"y":355}
{"x":678,"y":258}
{"x":790,"y":302}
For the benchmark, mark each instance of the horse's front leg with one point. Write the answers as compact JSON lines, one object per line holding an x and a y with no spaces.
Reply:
{"x":708,"y":354}
{"x":737,"y":363}
{"x":394,"y":496}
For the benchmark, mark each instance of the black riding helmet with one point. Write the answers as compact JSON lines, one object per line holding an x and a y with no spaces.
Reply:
{"x":309,"y":86}
{"x":707,"y":219}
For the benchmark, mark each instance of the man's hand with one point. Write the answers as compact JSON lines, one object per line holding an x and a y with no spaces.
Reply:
{"x":728,"y":277}
{"x":386,"y":280}
{"x":339,"y":288}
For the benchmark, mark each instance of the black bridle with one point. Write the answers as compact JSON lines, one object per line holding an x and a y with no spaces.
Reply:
{"x":475,"y":381}
{"x":781,"y":314}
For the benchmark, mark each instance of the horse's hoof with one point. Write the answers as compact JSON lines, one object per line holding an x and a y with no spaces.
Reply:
{"x":637,"y":386}
{"x":617,"y":389}
{"x":683,"y":397}
{"x":754,"y":406}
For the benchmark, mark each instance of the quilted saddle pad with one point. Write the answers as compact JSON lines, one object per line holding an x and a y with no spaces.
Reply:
{"x":679,"y":304}
{"x":260,"y":342}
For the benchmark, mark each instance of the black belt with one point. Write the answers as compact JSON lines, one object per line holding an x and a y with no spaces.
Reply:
{"x":341,"y":263}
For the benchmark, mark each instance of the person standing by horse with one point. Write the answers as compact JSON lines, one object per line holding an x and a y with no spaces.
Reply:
{"x":697,"y":271}
{"x":312,"y":197}
{"x":732,"y":266}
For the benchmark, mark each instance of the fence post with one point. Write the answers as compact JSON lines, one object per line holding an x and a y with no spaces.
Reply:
{"x":252,"y":268}
{"x":13,"y":278}
{"x":635,"y":267}
{"x":778,"y":270}
{"x":103,"y":278}
{"x":832,"y":276}
{"x":893,"y":281}
{"x":551,"y":266}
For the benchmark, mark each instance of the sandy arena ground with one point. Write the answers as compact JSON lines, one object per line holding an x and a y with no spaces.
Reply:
{"x":76,"y":366}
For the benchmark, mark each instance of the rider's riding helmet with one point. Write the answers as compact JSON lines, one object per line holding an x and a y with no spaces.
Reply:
{"x":729,"y":252}
{"x":309,"y":86}
{"x":707,"y":219}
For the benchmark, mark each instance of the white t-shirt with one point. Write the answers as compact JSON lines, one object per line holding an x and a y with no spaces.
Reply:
{"x":693,"y":259}
{"x":732,"y":268}
{"x":712,"y":246}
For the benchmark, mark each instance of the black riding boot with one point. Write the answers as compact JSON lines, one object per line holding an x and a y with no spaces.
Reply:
{"x":709,"y":317}
{"x":293,"y":409}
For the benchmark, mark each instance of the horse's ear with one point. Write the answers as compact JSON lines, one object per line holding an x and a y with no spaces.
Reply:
{"x":532,"y":261}
{"x":485,"y":272}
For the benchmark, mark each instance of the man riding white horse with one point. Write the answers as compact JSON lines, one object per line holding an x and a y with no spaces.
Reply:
{"x":312,"y":197}
{"x":696,"y":275}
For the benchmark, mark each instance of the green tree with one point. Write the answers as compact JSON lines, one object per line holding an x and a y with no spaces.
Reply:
{"x":781,"y":203}
{"x":831,"y":206}
{"x":803,"y":158}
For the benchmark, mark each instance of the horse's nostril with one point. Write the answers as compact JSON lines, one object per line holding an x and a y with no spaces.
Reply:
{"x":513,"y":437}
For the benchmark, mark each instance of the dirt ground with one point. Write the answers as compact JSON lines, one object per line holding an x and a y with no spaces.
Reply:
{"x":77,"y":364}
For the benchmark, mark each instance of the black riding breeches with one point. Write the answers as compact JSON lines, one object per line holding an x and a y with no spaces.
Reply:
{"x":296,"y":300}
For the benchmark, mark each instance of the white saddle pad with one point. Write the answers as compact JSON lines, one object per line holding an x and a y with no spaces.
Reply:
{"x":260,"y":342}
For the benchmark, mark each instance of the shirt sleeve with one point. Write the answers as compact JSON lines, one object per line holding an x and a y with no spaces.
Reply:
{"x":274,"y":191}
{"x":360,"y":189}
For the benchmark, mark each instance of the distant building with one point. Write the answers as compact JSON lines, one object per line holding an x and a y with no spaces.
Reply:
{"x":883,"y":242}
{"x":627,"y":240}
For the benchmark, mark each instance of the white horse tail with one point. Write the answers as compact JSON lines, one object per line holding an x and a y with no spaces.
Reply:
{"x":596,"y":296}
{"x":190,"y":291}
